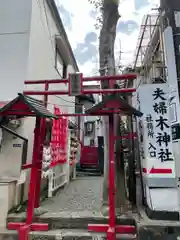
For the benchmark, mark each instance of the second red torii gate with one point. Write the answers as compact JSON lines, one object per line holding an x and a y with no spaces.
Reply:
{"x":111,"y":105}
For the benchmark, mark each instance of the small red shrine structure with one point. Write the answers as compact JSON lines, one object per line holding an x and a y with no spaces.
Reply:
{"x":25,"y":106}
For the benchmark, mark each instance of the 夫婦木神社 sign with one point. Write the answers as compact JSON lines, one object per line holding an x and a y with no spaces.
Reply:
{"x":153,"y":101}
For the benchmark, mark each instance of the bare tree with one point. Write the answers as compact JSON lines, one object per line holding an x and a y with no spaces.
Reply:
{"x":107,"y":21}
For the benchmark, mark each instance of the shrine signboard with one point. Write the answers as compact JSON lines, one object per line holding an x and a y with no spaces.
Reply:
{"x":157,"y":134}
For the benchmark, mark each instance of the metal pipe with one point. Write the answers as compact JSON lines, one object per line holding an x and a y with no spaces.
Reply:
{"x":162,"y":50}
{"x":130,"y":76}
{"x":141,"y":40}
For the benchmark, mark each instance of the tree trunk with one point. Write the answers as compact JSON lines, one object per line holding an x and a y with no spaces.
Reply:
{"x":107,"y":67}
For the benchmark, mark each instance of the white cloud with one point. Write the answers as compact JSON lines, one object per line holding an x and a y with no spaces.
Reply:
{"x":82,"y":23}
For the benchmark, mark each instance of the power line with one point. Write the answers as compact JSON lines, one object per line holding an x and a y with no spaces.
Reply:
{"x":60,"y":105}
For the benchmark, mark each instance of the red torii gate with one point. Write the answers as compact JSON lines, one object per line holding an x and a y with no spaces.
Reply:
{"x":111,"y":105}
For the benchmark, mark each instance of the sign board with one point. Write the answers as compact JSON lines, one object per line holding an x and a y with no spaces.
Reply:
{"x":155,"y":125}
{"x":75,"y":84}
{"x":17,"y":145}
{"x":176,"y":132}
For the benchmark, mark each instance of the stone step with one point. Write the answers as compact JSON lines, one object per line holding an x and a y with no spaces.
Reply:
{"x":63,"y":234}
{"x":87,"y":170}
{"x":91,"y":174}
{"x":66,"y":219}
{"x":72,"y":234}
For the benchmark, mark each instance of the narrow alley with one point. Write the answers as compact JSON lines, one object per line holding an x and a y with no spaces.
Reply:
{"x":69,"y":212}
{"x":83,"y":194}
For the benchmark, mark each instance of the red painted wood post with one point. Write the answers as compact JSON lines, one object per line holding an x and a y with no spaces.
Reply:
{"x":24,"y":232}
{"x":112,"y":218}
{"x":40,"y":159}
{"x":34,"y":172}
{"x":43,"y":136}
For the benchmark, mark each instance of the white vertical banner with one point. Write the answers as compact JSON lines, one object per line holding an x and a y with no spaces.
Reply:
{"x":153,"y":100}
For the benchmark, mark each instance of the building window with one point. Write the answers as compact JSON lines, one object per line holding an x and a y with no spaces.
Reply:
{"x":89,"y":127}
{"x":92,"y":143}
{"x":60,"y":65}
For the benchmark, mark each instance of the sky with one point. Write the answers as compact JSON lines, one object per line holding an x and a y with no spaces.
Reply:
{"x":79,"y":19}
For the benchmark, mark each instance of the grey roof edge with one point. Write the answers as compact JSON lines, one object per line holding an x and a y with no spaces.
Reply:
{"x":135,"y":112}
{"x":56,"y":15}
{"x":26,"y":100}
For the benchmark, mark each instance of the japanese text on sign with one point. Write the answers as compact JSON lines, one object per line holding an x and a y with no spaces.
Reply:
{"x":156,"y":123}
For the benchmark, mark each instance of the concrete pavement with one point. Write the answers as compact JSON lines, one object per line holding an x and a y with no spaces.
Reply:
{"x":84,"y":193}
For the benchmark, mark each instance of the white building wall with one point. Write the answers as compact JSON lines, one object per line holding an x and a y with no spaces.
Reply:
{"x":27,"y":46}
{"x":41,"y":61}
{"x":15,"y":18}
